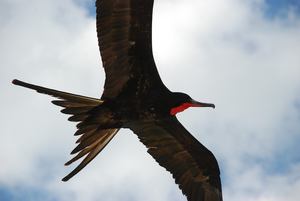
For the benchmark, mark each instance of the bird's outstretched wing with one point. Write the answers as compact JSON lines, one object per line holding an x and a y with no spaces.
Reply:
{"x":124,"y":29}
{"x":193,"y":166}
{"x":85,"y":111}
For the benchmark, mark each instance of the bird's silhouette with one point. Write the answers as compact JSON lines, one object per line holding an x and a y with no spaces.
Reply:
{"x":135,"y":97}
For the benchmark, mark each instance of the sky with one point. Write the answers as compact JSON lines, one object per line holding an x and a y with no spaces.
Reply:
{"x":241,"y":55}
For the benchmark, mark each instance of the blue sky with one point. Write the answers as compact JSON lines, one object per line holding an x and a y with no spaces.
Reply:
{"x":241,"y":55}
{"x":276,"y":7}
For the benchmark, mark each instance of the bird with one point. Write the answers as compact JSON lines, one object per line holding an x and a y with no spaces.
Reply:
{"x":134,"y":97}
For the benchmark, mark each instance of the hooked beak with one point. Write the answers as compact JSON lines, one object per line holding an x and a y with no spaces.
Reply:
{"x":199,"y":104}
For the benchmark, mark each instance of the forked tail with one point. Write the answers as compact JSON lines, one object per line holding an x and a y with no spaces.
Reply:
{"x":93,"y":138}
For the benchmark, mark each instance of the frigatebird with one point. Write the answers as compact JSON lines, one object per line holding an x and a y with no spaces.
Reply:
{"x":135,"y":97}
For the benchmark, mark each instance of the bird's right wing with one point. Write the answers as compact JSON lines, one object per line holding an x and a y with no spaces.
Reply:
{"x":193,"y":166}
{"x":124,"y":30}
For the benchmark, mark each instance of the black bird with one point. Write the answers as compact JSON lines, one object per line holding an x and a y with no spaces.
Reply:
{"x":134,"y":97}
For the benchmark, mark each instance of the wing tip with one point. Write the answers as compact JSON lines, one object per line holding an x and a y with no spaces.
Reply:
{"x":65,"y":179}
{"x":17,"y":82}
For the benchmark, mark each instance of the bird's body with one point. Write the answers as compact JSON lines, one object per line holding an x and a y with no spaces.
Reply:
{"x":134,"y":97}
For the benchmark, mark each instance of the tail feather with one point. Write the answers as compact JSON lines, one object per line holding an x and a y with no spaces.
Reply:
{"x":93,"y":152}
{"x":69,"y":104}
{"x":84,"y":129}
{"x":78,"y":117}
{"x":76,"y":110}
{"x":86,"y":134}
{"x":61,"y":95}
{"x":91,"y":118}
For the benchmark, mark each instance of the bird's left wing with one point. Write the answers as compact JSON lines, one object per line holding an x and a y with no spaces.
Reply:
{"x":193,"y":166}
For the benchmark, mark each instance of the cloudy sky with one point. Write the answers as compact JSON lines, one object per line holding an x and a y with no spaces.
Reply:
{"x":242,"y":55}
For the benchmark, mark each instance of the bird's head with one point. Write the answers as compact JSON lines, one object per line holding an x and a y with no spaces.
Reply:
{"x":181,"y":101}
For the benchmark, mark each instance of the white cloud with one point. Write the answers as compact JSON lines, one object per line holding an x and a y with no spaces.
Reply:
{"x":223,"y":52}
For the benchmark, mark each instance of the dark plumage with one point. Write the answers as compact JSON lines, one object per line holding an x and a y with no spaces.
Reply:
{"x":134,"y":97}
